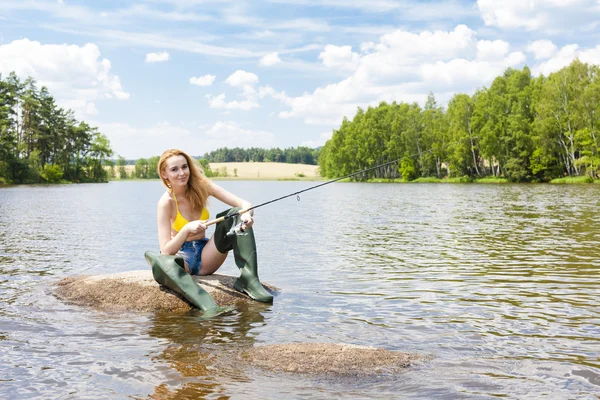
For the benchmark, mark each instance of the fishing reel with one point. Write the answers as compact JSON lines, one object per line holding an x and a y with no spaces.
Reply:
{"x":237,"y":230}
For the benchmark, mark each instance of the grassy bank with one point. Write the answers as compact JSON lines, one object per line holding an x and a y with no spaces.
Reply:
{"x":462,"y":179}
{"x":573,"y":180}
{"x":568,"y":180}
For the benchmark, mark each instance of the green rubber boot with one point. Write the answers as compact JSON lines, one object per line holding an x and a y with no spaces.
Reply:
{"x":244,"y":251}
{"x":170,"y":271}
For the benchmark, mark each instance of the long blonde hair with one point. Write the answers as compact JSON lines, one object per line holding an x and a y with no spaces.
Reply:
{"x":197,"y":185}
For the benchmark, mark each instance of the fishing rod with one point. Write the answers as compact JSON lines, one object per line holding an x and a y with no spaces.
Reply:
{"x":239,"y":229}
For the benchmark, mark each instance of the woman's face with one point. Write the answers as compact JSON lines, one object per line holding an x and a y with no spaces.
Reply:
{"x":177,"y":171}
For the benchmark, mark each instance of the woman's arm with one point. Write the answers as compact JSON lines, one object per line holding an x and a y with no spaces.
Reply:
{"x":234,"y":201}
{"x":171,"y":245}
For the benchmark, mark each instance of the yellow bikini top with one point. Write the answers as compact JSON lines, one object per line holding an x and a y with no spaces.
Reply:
{"x":180,"y":221}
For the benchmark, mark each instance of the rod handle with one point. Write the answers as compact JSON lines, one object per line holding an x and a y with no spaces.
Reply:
{"x":217,"y":220}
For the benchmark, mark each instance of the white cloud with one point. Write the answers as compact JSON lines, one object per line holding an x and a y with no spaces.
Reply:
{"x":157,"y":57}
{"x":241,"y":78}
{"x":367,"y":46}
{"x":81,"y":107}
{"x":320,"y":141}
{"x":244,"y":81}
{"x":339,"y":57}
{"x":511,"y":14}
{"x":76,"y":76}
{"x":219,"y":103}
{"x":125,"y":139}
{"x":488,"y":50}
{"x":542,"y":49}
{"x":231,"y":134}
{"x":565,"y":56}
{"x":552,"y":15}
{"x":270,"y":60}
{"x":404,"y":66}
{"x":265,"y":91}
{"x":475,"y":73}
{"x":205,"y":80}
{"x":443,"y":44}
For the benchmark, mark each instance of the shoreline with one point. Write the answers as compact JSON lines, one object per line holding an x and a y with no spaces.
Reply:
{"x":271,"y":171}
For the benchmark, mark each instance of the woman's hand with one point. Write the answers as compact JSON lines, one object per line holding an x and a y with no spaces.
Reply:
{"x":247,"y":220}
{"x":195,"y":227}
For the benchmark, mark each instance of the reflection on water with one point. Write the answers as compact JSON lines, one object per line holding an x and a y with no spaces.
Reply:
{"x":204,"y":353}
{"x":500,"y":284}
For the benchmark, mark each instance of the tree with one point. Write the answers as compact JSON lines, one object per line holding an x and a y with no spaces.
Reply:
{"x":121,"y":167}
{"x":141,"y":168}
{"x":559,"y":115}
{"x":464,"y":150}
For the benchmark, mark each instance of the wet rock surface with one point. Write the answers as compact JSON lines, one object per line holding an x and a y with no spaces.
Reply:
{"x":328,"y":359}
{"x":138,"y":291}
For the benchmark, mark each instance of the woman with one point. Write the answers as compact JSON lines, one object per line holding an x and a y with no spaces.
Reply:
{"x":182,"y":217}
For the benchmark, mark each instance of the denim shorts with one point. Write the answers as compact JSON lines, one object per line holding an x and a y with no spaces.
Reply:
{"x":192,"y":254}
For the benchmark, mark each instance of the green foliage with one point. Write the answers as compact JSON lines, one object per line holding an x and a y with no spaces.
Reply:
{"x":573,"y":179}
{"x":51,"y":173}
{"x":517,"y":170}
{"x":208,"y":172}
{"x":407,"y":169}
{"x":459,"y":179}
{"x":520,"y":129}
{"x":429,"y":179}
{"x":492,"y":179}
{"x":110,"y":166}
{"x":222,"y":172}
{"x":153,"y":167}
{"x":141,"y":168}
{"x":38,"y":139}
{"x":297,"y":155}
{"x":121,"y":167}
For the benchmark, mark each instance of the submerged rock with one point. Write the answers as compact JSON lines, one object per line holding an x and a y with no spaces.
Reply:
{"x":138,"y":291}
{"x":328,"y":359}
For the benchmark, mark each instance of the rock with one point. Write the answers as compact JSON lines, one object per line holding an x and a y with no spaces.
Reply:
{"x":138,"y":291}
{"x":328,"y":359}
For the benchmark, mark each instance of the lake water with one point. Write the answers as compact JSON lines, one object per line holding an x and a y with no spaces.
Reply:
{"x":498,"y":284}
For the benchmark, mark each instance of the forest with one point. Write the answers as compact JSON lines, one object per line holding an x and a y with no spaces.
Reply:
{"x":41,"y":142}
{"x":520,"y":129}
{"x":295,"y":155}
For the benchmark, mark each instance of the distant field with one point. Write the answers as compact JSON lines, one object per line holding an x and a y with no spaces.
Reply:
{"x":260,"y":170}
{"x":267,"y":170}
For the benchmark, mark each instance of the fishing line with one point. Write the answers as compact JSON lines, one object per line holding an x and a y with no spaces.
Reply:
{"x":297,"y":194}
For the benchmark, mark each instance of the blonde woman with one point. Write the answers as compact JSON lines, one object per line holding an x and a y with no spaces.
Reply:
{"x":182,"y":216}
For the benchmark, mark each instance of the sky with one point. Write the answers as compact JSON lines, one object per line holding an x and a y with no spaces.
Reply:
{"x":204,"y":74}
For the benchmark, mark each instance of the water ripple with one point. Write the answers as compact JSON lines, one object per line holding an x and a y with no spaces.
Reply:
{"x":499,"y":284}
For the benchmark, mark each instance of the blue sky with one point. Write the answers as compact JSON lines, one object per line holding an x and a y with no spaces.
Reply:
{"x":202,"y":74}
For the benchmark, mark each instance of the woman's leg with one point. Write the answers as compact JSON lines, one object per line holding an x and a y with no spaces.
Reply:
{"x":212,"y":259}
{"x":187,"y":253}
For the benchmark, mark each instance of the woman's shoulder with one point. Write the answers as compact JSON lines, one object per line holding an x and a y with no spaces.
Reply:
{"x":210,"y":186}
{"x":166,"y":200}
